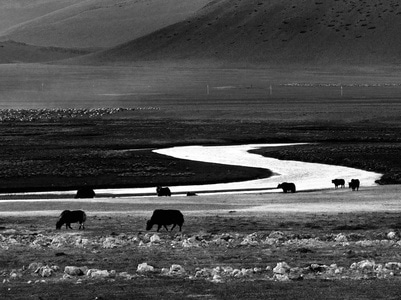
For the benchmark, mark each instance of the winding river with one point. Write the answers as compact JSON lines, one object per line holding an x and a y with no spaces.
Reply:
{"x":306,"y":176}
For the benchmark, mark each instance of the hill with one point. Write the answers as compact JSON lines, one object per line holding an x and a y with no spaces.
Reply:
{"x":14,"y":52}
{"x":90,"y":23}
{"x":275,"y":32}
{"x":14,"y":12}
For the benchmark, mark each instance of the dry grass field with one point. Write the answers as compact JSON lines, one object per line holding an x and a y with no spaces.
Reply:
{"x":336,"y":244}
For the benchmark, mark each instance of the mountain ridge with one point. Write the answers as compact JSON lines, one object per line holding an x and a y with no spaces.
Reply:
{"x":276,"y":32}
{"x":241,"y":32}
{"x":100,"y":23}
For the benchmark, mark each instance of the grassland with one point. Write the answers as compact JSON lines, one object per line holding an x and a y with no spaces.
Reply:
{"x":311,"y":232}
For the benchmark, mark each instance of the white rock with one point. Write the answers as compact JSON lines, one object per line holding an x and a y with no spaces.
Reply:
{"x":341,"y":238}
{"x":155,"y":239}
{"x":176,"y":270}
{"x":281,"y":277}
{"x":100,"y":274}
{"x":363,"y":265}
{"x":217,"y":279}
{"x":393,"y":265}
{"x":281,"y":268}
{"x":46,"y":271}
{"x":392,"y":235}
{"x":164,"y":271}
{"x":144,"y":267}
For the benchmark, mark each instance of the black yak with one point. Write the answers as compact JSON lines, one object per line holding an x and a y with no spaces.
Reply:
{"x":85,"y":192}
{"x":163,"y":191}
{"x":338,"y":182}
{"x":164,"y":217}
{"x":287,"y":186}
{"x":354,"y":184}
{"x":67,"y":217}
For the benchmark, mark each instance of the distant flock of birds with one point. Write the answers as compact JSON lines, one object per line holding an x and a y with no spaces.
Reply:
{"x":166,"y":217}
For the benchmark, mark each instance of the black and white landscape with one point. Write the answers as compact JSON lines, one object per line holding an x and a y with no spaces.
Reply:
{"x":124,"y":96}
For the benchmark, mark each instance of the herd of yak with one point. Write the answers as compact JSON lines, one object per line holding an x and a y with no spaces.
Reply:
{"x":165,"y":217}
{"x":290,"y":187}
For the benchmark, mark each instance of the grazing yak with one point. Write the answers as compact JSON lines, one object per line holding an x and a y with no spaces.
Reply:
{"x":164,"y":217}
{"x":67,"y":217}
{"x":85,"y":192}
{"x":287,"y":186}
{"x":338,"y":182}
{"x":354,"y":184}
{"x":163,"y":191}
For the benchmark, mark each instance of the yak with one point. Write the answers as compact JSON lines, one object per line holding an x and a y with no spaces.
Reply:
{"x":67,"y":217}
{"x":354,"y":184}
{"x":338,"y":182}
{"x":163,"y":191}
{"x":164,"y":217}
{"x":85,"y":192}
{"x":287,"y":186}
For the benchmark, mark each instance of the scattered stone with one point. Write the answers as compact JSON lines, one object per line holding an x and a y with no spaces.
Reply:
{"x":45,"y":271}
{"x":281,"y":268}
{"x":144,"y":267}
{"x":278,"y":235}
{"x":392,"y":235}
{"x":250,"y":240}
{"x":75,"y":271}
{"x":363,"y":265}
{"x":393,"y":266}
{"x":95,"y":273}
{"x":14,"y":274}
{"x":34,"y":266}
{"x":155,"y":239}
{"x":341,"y":238}
{"x":176,"y":270}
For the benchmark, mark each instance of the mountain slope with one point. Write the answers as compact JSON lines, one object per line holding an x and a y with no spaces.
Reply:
{"x":101,"y":23}
{"x":13,"y":52}
{"x":276,"y":31}
{"x":14,"y":12}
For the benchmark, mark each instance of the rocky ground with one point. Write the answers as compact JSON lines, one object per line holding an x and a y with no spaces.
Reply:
{"x":252,"y":254}
{"x":61,"y":243}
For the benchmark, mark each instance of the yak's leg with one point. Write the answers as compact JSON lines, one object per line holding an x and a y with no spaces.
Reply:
{"x":158,"y":227}
{"x":165,"y":226}
{"x":69,"y":225}
{"x":173,"y":227}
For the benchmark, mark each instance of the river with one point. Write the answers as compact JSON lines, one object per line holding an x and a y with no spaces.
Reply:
{"x":306,"y":176}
